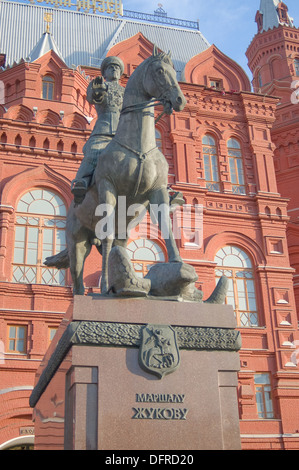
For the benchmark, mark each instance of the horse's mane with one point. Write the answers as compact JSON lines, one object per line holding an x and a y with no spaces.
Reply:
{"x":160,"y":56}
{"x":163,"y":57}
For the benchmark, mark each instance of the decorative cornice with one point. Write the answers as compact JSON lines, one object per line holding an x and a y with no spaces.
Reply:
{"x":6,"y":208}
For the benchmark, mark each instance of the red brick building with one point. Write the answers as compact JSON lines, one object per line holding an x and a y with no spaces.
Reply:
{"x":273,"y":58}
{"x":221,"y":155}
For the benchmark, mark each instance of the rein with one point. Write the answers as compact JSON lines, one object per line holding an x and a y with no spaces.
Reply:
{"x":142,"y":106}
{"x":141,"y":156}
{"x":153,"y":102}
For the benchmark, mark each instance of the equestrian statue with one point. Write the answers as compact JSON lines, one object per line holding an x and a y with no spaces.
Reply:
{"x":123,"y":163}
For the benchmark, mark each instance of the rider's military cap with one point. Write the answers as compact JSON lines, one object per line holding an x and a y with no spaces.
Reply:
{"x":112,"y":60}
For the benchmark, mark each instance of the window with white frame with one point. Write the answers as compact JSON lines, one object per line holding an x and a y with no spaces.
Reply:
{"x":263,"y":396}
{"x":51,"y":333}
{"x":236,"y":265}
{"x":143,"y":254}
{"x":48,"y":87}
{"x":17,"y":339}
{"x":39,"y":233}
{"x":210,"y":159}
{"x":236,"y":170}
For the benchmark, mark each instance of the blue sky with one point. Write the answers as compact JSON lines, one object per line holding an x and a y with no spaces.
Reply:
{"x":229,"y":24}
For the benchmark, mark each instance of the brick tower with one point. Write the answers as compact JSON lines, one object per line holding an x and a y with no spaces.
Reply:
{"x":273,"y":57}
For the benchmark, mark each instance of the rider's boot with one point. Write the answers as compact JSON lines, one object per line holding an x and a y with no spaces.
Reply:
{"x":79,"y":189}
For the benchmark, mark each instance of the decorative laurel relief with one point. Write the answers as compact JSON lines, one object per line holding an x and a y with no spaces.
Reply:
{"x":118,"y":334}
{"x":207,"y":338}
{"x":124,"y":334}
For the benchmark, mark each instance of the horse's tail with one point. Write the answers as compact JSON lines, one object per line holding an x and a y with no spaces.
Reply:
{"x":219,"y":293}
{"x":59,"y":261}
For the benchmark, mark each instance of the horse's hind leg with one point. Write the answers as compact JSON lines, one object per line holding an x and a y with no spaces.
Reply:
{"x":79,"y":249}
{"x":159,"y":212}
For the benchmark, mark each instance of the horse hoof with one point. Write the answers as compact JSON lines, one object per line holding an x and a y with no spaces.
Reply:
{"x":122,"y":277}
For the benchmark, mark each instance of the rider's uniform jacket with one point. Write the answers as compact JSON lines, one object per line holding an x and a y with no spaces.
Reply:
{"x":108,"y":107}
{"x":108,"y":103}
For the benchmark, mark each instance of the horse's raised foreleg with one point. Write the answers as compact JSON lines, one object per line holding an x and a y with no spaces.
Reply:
{"x":159,"y":212}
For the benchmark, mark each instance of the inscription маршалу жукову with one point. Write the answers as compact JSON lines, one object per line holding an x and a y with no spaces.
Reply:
{"x":160,"y":413}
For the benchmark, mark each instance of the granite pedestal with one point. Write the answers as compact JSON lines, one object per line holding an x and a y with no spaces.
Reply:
{"x":92,"y":391}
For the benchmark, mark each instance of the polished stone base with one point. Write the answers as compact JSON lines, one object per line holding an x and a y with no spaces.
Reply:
{"x":100,"y":385}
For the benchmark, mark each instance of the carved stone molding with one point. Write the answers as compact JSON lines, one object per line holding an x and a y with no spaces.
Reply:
{"x":104,"y":334}
{"x":101,"y":334}
{"x":129,"y":335}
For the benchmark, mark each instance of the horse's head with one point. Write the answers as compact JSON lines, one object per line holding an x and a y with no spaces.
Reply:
{"x":160,"y":82}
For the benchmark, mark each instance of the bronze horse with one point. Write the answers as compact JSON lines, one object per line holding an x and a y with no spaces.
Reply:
{"x":131,"y":166}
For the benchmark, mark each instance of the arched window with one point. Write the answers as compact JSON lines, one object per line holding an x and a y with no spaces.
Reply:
{"x":296,"y":64}
{"x":159,"y":140}
{"x":236,"y":166}
{"x":143,"y":254}
{"x":210,"y":159}
{"x":237,"y":267}
{"x":3,"y":138}
{"x":8,"y":89}
{"x":259,"y":21}
{"x":40,"y":232}
{"x":60,"y":146}
{"x":17,"y":84}
{"x":32,"y":142}
{"x":282,"y":11}
{"x":48,"y":87}
{"x":74,"y":147}
{"x":259,"y":79}
{"x":46,"y":144}
{"x":18,"y":140}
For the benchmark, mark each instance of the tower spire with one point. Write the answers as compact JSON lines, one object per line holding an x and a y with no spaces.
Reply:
{"x":271,"y":14}
{"x":46,"y":42}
